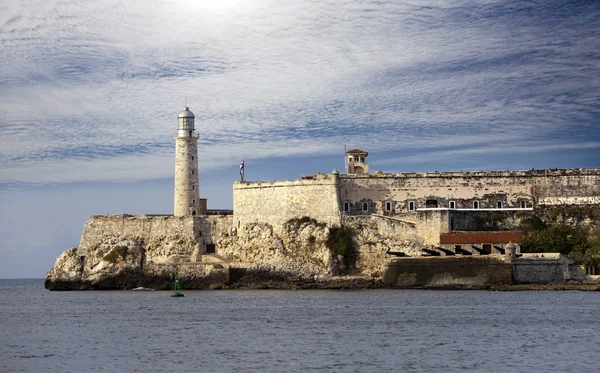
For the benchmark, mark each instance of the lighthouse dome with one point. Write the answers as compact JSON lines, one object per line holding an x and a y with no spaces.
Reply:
{"x":186,"y":113}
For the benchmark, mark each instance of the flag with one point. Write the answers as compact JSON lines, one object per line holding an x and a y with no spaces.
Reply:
{"x":242,"y":170}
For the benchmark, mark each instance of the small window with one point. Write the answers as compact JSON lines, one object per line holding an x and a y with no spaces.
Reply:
{"x":192,"y":172}
{"x":346,"y":206}
{"x":192,"y":186}
{"x":475,"y":204}
{"x":193,"y":212}
{"x":457,"y":247}
{"x":452,"y":205}
{"x":411,"y":206}
{"x":350,"y":159}
{"x":365,"y":206}
{"x":356,"y":159}
{"x":388,"y":206}
{"x":523,"y":204}
{"x":210,"y":248}
{"x":193,"y":202}
{"x":192,"y":157}
{"x":499,"y":204}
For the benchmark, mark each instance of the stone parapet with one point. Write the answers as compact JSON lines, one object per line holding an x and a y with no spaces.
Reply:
{"x":276,"y":202}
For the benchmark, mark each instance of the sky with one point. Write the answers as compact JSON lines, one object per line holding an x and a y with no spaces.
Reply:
{"x":90,"y":92}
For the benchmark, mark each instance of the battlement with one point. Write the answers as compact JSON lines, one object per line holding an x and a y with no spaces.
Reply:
{"x":468,"y":174}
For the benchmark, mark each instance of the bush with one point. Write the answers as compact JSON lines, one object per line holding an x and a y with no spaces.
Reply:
{"x":546,"y":232}
{"x":305,"y":219}
{"x":116,"y":253}
{"x":559,"y":238}
{"x":340,"y":242}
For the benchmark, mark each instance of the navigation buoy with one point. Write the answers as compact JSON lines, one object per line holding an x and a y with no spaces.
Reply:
{"x":177,"y":289}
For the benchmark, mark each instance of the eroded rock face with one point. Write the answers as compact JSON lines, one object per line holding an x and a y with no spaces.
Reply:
{"x":115,"y":262}
{"x":66,"y":272}
{"x":373,"y":239}
{"x":299,"y":249}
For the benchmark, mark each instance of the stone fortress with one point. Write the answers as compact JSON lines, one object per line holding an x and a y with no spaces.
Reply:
{"x":285,"y":230}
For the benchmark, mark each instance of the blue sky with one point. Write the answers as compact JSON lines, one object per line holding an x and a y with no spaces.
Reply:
{"x":90,"y":92}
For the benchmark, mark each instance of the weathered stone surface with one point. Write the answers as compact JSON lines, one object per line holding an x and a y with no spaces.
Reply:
{"x":300,"y":248}
{"x":126,"y":251}
{"x":66,"y":272}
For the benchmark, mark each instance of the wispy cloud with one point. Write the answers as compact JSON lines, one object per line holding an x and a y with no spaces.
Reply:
{"x":481,"y":151}
{"x":91,"y":90}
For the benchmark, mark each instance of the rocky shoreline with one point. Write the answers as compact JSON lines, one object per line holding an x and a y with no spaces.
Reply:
{"x":261,"y":282}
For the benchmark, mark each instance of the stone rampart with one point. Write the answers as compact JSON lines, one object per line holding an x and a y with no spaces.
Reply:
{"x":142,"y":227}
{"x":276,"y":202}
{"x":547,"y":268}
{"x":558,"y":201}
{"x":510,"y":188}
{"x":421,"y":271}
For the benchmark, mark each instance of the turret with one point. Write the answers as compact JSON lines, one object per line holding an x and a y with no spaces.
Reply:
{"x":187,"y":185}
{"x":356,"y":162}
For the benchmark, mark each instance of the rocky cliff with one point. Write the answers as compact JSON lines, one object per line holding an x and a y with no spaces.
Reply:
{"x":120,"y":252}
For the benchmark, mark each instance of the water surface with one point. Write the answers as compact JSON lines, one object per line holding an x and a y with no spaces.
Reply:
{"x":296,"y":331}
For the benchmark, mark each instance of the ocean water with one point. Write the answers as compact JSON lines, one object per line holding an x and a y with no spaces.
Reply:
{"x":297,"y":331}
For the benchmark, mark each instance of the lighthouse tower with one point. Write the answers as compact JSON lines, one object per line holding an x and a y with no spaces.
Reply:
{"x":187,"y":193}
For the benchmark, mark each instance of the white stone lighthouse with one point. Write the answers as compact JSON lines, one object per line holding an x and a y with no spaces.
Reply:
{"x":187,"y":191}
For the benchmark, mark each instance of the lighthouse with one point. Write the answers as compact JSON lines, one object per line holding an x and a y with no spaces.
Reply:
{"x":187,"y":191}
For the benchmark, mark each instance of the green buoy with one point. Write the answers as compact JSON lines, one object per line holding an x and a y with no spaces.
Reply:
{"x":177,"y":289}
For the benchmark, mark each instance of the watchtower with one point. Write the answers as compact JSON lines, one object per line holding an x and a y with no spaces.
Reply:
{"x":187,"y":191}
{"x":356,"y":162}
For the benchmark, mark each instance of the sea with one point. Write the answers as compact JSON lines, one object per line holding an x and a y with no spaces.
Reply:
{"x":297,"y":331}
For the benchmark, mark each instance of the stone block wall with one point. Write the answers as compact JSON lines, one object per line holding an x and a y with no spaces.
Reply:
{"x":447,"y":271}
{"x":510,"y":188}
{"x":541,"y":271}
{"x":276,"y":202}
{"x":419,"y":188}
{"x":485,"y":220}
{"x":144,"y":227}
{"x":430,"y":224}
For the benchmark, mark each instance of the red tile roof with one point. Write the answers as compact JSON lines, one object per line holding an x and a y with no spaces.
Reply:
{"x":357,"y":151}
{"x":480,"y":237}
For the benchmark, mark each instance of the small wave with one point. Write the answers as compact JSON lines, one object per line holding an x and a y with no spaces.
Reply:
{"x":36,"y":356}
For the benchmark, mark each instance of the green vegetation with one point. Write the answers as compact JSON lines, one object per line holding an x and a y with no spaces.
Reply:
{"x":340,"y":242}
{"x":116,"y":253}
{"x":305,"y":219}
{"x":559,"y":238}
{"x":574,"y":241}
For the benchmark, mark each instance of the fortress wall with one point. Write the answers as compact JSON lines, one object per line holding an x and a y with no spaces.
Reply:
{"x":468,"y":270}
{"x":462,"y":190}
{"x":213,"y":227}
{"x":537,"y":271}
{"x":485,"y":220}
{"x":145,"y":227}
{"x":464,"y":187}
{"x":276,"y":202}
{"x":429,"y":226}
{"x":578,"y":185}
{"x":553,"y":201}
